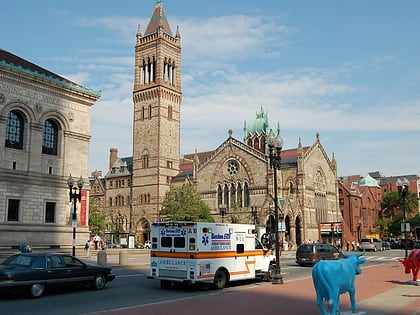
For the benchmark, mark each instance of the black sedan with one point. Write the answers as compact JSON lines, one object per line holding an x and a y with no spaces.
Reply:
{"x":34,"y":272}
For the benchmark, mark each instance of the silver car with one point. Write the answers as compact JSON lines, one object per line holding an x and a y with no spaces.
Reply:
{"x":370,"y":244}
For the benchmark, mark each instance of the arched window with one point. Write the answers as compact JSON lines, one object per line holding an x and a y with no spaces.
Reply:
{"x":14,"y":130}
{"x":239,"y":199}
{"x":232,"y":195}
{"x":50,"y":137}
{"x":219,"y":195}
{"x":226,"y":195}
{"x":246,"y":195}
{"x":291,"y":188}
{"x":145,"y":161}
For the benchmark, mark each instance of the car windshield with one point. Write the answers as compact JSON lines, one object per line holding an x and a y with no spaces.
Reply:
{"x":19,"y":260}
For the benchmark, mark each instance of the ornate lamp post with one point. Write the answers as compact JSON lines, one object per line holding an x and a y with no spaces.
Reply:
{"x":254,"y":214}
{"x":222,"y":211}
{"x":74,"y":196}
{"x":402,"y":192}
{"x":275,"y":144}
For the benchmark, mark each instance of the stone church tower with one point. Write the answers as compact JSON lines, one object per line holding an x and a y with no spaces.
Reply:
{"x":156,"y":128}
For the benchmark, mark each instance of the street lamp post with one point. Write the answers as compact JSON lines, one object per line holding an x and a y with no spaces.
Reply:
{"x":402,"y":192}
{"x":75,"y":193}
{"x":222,"y":211}
{"x":254,"y":214}
{"x":275,"y":144}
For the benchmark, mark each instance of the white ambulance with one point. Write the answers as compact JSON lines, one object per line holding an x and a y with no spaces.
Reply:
{"x":213,"y":253}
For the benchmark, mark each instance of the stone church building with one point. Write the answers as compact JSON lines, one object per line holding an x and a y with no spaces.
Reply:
{"x":234,"y":179}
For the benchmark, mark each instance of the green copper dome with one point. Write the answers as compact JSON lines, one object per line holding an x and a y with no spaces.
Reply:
{"x":369,"y":181}
{"x":261,"y":125}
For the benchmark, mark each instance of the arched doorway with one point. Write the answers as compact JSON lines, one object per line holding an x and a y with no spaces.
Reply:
{"x":298,"y":231}
{"x":143,"y":231}
{"x":287,"y":232}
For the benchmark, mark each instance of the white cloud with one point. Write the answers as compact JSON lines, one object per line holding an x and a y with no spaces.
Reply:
{"x":79,"y":77}
{"x":230,"y":37}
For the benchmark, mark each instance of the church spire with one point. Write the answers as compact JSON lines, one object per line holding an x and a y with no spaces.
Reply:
{"x":158,"y":21}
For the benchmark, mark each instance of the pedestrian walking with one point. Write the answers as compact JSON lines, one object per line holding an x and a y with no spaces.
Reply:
{"x":348,"y":245}
{"x":96,"y":239}
{"x":87,"y":249}
{"x":353,"y":245}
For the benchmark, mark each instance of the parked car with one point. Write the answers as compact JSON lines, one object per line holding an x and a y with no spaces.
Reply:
{"x":394,"y":244}
{"x":410,"y":243}
{"x":386,"y":245}
{"x":110,"y":244}
{"x":32,"y":273}
{"x":310,"y":254}
{"x":370,"y":244}
{"x":148,"y":244}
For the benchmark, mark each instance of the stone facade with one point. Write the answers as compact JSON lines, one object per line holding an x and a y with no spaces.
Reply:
{"x":45,"y":129}
{"x":235,"y":179}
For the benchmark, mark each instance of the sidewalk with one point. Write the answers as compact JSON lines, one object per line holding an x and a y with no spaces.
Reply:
{"x":380,"y":290}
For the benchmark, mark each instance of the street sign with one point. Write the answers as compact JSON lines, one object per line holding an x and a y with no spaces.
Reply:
{"x":407,"y":227}
{"x":282,"y":226}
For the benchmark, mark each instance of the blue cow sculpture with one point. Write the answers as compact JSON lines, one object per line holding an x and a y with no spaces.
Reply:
{"x":334,"y":277}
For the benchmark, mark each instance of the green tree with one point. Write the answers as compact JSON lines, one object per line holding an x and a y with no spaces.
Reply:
{"x":184,"y":204}
{"x":97,"y":218}
{"x":392,"y":212}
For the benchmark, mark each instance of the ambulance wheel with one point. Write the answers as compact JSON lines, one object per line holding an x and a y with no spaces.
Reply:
{"x":270,"y":273}
{"x":220,"y":280}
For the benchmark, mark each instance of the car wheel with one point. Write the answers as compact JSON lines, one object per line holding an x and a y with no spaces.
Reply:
{"x":36,"y":290}
{"x":220,"y":280}
{"x":269,"y":276}
{"x":99,"y":282}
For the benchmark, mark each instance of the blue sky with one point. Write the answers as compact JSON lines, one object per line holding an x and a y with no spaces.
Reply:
{"x":348,"y":70}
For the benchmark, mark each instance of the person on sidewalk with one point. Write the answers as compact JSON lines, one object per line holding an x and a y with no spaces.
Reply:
{"x":96,"y":240}
{"x":353,"y":246}
{"x":87,"y":249}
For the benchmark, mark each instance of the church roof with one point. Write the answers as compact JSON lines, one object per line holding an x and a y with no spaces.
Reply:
{"x":158,"y":20}
{"x":16,"y":63}
{"x":261,"y":125}
{"x":369,"y":181}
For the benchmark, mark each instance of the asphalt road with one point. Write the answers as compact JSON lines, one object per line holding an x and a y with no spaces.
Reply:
{"x":131,"y":288}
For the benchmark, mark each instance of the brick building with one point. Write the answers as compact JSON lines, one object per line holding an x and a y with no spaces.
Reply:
{"x":360,"y":201}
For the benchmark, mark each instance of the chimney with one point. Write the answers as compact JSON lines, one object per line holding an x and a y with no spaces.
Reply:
{"x":97,"y":174}
{"x":113,"y":156}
